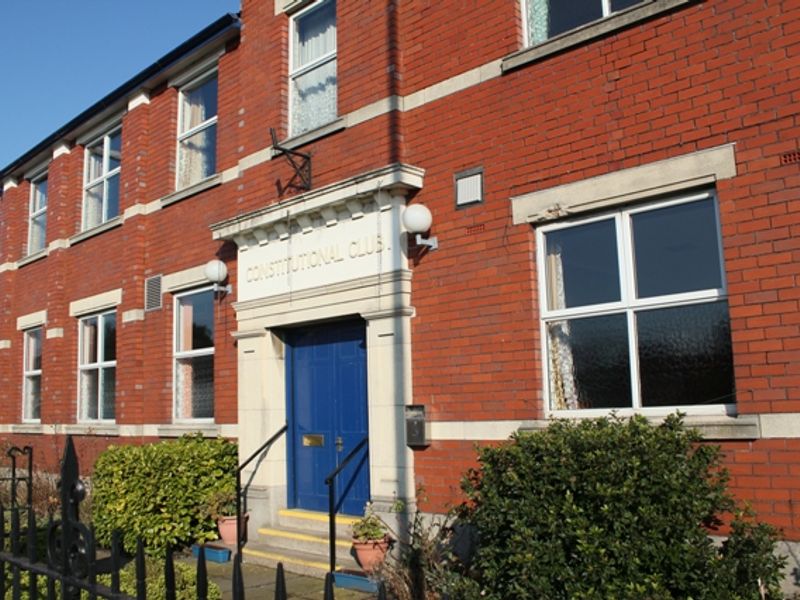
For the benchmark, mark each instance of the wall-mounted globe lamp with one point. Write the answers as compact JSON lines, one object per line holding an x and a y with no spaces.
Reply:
{"x":417,"y":219}
{"x":216,"y":272}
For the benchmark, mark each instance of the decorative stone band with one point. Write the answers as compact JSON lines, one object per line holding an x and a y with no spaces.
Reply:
{"x":111,"y":429}
{"x":764,"y":426}
{"x":742,"y":427}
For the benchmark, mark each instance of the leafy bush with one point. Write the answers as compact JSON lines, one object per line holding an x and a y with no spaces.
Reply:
{"x":611,"y":508}
{"x":161,"y":492}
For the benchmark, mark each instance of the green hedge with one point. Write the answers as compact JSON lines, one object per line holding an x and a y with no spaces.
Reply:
{"x":610,"y":508}
{"x":160,"y":492}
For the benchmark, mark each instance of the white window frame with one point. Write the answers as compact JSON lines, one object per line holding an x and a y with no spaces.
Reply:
{"x":194,"y":82}
{"x":607,"y":12}
{"x":99,"y":365}
{"x":35,"y":211}
{"x":28,"y":374}
{"x":297,"y":71}
{"x":628,"y":304}
{"x":181,"y":354}
{"x":104,"y":177}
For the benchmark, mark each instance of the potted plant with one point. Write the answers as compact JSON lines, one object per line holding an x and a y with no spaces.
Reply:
{"x":371,"y":540}
{"x":222,"y":509}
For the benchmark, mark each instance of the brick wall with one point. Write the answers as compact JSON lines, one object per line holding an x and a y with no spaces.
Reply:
{"x":707,"y":74}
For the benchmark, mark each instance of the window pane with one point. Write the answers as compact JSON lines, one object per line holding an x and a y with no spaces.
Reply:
{"x":37,"y":233}
{"x":89,"y":389}
{"x":109,"y":337}
{"x":195,"y":387}
{"x":33,"y":396}
{"x":40,"y":194}
{"x":582,"y":265}
{"x":685,"y":355}
{"x":563,"y":16}
{"x":196,"y":322}
{"x":109,"y":380}
{"x":589,"y":363}
{"x":88,"y":341}
{"x":93,"y":209}
{"x":199,"y":104}
{"x":314,"y":98}
{"x":33,"y":350}
{"x":315,"y":35}
{"x":115,"y":150}
{"x":676,"y":249}
{"x":112,"y":201}
{"x":94,"y":161}
{"x":197,"y":157}
{"x":622,"y":4}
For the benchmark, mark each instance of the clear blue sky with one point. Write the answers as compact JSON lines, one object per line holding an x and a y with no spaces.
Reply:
{"x":58,"y":57}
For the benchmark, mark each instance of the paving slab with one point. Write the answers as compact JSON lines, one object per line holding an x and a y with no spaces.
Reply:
{"x":259,"y":583}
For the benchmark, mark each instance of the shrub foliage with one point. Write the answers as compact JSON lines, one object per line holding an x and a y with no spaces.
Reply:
{"x":161,"y":492}
{"x":611,"y":508}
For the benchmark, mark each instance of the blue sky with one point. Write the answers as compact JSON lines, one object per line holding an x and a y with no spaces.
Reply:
{"x":58,"y":57}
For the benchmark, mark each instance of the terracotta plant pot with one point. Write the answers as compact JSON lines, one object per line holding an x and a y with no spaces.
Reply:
{"x":227,"y":528}
{"x":370,"y":554}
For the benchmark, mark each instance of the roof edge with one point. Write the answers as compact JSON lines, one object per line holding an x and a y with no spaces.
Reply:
{"x":209,"y":33}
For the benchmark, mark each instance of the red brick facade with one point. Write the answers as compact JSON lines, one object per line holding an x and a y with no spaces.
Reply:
{"x":698,"y":76}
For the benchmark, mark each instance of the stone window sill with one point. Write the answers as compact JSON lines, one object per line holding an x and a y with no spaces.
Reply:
{"x":314,"y":134}
{"x":590,"y":31}
{"x":742,"y":427}
{"x":32,"y":258}
{"x":102,"y":228}
{"x":190,"y":191}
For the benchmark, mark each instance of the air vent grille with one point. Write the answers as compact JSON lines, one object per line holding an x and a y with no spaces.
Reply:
{"x":790,"y":158}
{"x":152,"y":293}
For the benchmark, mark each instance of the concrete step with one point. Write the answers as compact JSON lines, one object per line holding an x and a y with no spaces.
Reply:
{"x":303,"y":541}
{"x":300,"y":541}
{"x":315,"y":522}
{"x":295,"y":561}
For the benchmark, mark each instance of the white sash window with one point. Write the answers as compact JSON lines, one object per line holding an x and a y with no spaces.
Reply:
{"x":312,"y":80}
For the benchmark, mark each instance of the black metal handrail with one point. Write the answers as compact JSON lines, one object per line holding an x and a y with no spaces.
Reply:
{"x":262,"y":449}
{"x":330,"y":481}
{"x":13,"y":453}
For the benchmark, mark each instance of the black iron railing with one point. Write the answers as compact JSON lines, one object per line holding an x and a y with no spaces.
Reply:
{"x":69,"y":557}
{"x":330,"y":481}
{"x":261,"y":452}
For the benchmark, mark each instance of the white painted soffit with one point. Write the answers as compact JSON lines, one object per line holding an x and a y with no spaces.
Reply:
{"x":392,"y":179}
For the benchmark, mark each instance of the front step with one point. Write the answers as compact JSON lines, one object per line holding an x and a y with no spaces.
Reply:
{"x":303,"y":541}
{"x":315,"y":522}
{"x":300,"y":542}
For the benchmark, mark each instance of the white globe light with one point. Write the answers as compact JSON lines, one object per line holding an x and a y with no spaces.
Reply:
{"x":216,"y":271}
{"x":417,"y":218}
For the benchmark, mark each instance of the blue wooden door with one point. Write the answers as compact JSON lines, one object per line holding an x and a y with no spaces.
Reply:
{"x":327,"y":393}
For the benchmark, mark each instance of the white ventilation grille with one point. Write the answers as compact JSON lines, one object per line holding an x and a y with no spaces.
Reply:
{"x":469,"y":187}
{"x":152,"y":293}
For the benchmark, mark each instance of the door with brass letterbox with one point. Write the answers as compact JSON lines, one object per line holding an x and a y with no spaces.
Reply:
{"x":327,"y":395}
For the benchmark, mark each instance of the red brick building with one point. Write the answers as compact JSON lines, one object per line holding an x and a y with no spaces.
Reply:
{"x":615,"y":193}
